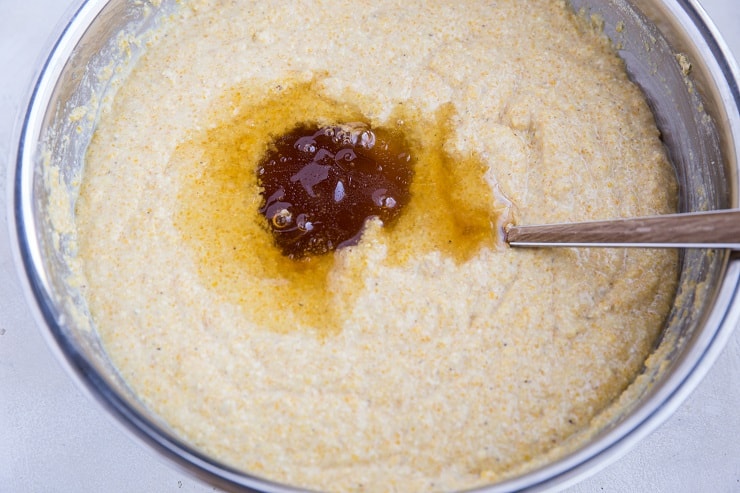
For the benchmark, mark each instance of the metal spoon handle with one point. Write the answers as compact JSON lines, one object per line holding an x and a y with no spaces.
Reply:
{"x":712,"y":229}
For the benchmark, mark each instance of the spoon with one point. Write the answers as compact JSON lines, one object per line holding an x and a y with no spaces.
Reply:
{"x":711,"y":229}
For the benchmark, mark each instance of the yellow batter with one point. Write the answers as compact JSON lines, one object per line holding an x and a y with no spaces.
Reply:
{"x":426,"y":357}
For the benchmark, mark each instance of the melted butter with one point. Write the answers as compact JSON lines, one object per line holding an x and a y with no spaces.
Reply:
{"x":451,"y":208}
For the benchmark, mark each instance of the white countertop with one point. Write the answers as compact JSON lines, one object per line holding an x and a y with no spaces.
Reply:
{"x":53,"y":438}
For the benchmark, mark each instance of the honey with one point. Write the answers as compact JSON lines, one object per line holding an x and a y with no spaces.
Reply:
{"x":320,"y":185}
{"x":227,"y":213}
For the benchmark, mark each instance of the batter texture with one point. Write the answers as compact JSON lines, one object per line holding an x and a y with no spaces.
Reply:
{"x":399,"y":364}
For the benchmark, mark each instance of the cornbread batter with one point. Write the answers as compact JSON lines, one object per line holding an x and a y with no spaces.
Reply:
{"x":428,"y":356}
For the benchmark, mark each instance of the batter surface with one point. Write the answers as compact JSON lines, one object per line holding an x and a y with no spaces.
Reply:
{"x":430,"y":356}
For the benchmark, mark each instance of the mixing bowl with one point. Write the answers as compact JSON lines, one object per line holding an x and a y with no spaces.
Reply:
{"x":670,"y":50}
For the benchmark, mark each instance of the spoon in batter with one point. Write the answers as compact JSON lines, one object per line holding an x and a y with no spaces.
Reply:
{"x":711,"y":229}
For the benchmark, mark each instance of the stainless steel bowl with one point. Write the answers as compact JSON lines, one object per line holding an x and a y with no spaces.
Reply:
{"x":670,"y":49}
